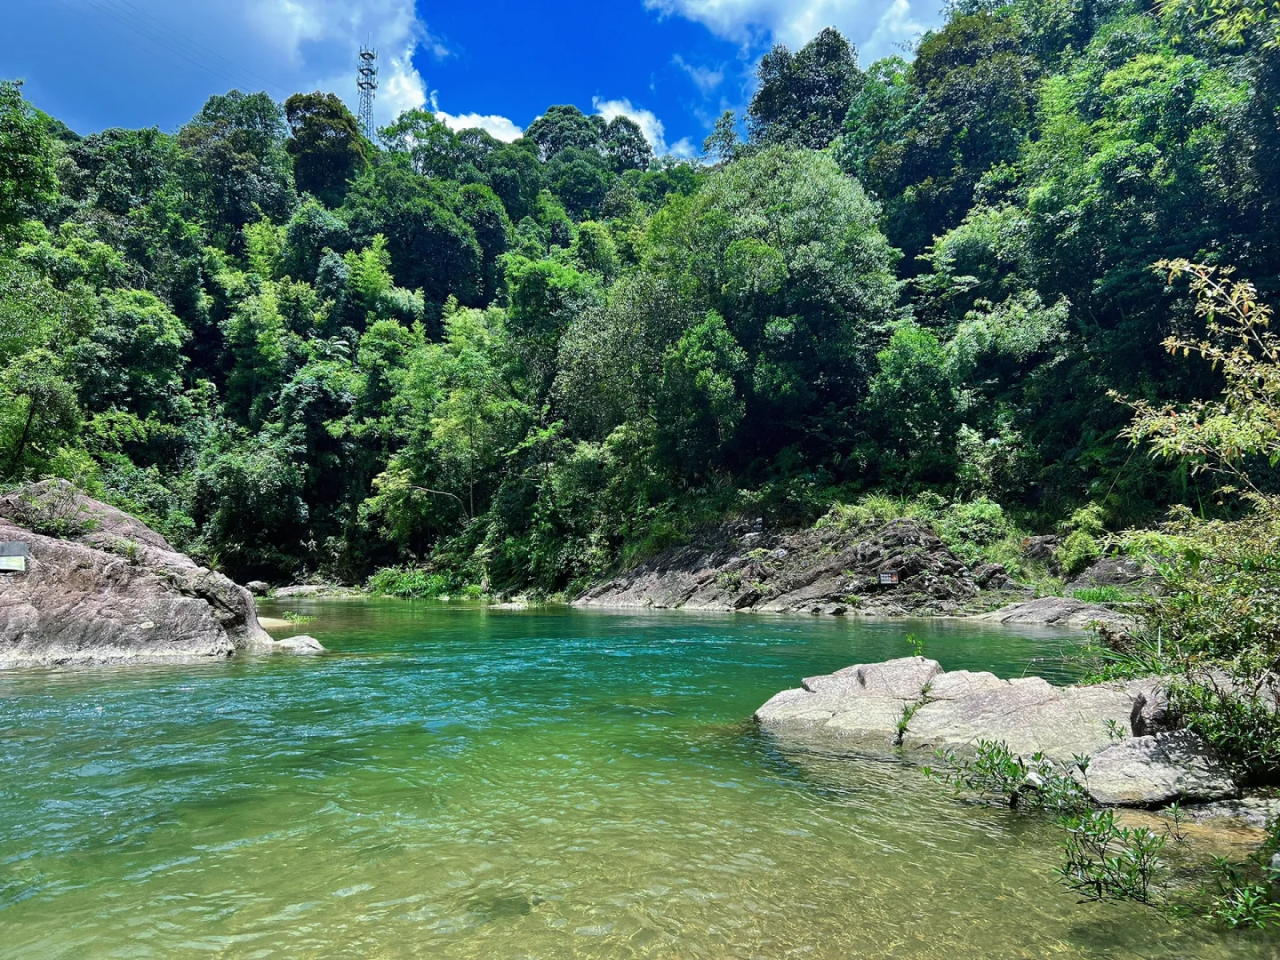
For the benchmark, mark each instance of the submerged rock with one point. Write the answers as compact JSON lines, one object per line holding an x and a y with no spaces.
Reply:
{"x":101,"y":586}
{"x":914,"y":704}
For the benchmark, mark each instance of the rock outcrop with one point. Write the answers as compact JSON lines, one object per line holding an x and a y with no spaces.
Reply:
{"x":1055,"y":612}
{"x":912,"y":704}
{"x":896,"y":568}
{"x":100,"y":586}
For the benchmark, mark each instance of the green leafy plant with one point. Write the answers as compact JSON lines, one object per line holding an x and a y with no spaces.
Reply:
{"x":297,"y":619}
{"x":1106,"y":862}
{"x":1002,"y":777}
{"x":916,"y":645}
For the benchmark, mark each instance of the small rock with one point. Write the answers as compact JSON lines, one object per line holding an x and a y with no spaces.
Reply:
{"x":301,"y":645}
{"x":259,"y":588}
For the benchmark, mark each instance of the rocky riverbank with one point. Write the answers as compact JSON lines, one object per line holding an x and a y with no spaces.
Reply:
{"x":911,"y":707}
{"x":899,"y":568}
{"x":99,"y":586}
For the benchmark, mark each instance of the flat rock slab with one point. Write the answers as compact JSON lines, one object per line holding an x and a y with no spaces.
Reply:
{"x":1055,"y":612}
{"x":1030,"y":715}
{"x":913,"y":704}
{"x":1151,"y":771}
{"x":859,"y":705}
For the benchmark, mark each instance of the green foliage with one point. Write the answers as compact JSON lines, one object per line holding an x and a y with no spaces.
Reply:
{"x":1105,"y":862}
{"x":1102,"y":595}
{"x":26,"y":159}
{"x":410,"y":583}
{"x":999,"y":776}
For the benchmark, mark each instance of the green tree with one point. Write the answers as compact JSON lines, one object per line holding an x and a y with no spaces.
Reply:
{"x":26,"y":159}
{"x":803,"y":97}
{"x":327,"y":147}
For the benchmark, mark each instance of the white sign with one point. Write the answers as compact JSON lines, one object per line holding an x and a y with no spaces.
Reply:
{"x":888,"y":579}
{"x":13,"y":564}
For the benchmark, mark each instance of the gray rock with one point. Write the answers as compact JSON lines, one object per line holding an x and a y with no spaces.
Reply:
{"x":299,"y":645}
{"x":259,"y":588}
{"x":861,"y":705}
{"x":1055,"y":611}
{"x":1152,"y":712}
{"x":991,"y":576}
{"x":1112,"y":572}
{"x":914,"y":704}
{"x":1030,"y":715}
{"x":1040,"y":548}
{"x":1151,"y":771}
{"x":815,"y":570}
{"x":102,"y":587}
{"x":1250,"y":811}
{"x":314,"y":590}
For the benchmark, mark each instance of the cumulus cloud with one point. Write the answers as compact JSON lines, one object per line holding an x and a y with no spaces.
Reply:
{"x":876,"y":26}
{"x":646,"y":120}
{"x":497,"y":127}
{"x":705,"y":78}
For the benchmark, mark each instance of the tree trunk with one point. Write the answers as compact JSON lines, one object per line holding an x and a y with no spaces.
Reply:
{"x":22,"y":440}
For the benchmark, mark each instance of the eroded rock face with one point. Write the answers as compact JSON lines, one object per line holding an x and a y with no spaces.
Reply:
{"x":101,"y":586}
{"x":893,"y":569}
{"x":914,"y":704}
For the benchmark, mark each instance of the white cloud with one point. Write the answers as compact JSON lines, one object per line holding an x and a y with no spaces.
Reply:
{"x":498,"y":127}
{"x":705,"y":78}
{"x":874,"y":25}
{"x":646,"y":120}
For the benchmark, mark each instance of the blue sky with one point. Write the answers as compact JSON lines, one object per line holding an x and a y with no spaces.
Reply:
{"x":672,"y":65}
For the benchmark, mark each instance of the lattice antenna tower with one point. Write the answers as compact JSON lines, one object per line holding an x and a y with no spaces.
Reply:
{"x":368,"y":84}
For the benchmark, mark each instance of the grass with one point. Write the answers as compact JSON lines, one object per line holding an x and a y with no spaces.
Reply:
{"x":1100,"y":595}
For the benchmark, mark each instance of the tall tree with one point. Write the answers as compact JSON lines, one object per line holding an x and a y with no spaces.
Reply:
{"x":803,"y":97}
{"x":326,"y":145}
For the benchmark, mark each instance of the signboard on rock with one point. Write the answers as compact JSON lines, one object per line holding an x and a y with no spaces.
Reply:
{"x":13,"y":556}
{"x":888,"y":579}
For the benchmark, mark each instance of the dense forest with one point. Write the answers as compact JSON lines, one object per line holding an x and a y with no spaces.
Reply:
{"x":301,"y":353}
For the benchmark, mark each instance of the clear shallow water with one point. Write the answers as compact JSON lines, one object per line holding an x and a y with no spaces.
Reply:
{"x":456,"y":783}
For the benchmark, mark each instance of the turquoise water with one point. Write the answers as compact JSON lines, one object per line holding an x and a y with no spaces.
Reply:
{"x":453,"y":782}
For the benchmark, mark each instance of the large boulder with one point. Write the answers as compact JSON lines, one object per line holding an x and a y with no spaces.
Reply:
{"x":1116,"y":572}
{"x":101,"y":586}
{"x":862,"y":705}
{"x":914,"y":705}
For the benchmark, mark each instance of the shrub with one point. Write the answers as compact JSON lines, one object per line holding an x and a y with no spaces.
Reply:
{"x":969,"y":529}
{"x":412,"y":583}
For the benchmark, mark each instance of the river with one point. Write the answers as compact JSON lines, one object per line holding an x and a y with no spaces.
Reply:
{"x":456,"y":782}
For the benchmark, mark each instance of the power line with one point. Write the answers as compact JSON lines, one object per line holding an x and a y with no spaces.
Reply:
{"x":178,"y":35}
{"x":234,"y":77}
{"x":152,"y":36}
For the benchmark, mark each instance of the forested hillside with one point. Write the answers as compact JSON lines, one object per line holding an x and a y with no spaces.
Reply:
{"x":298,"y":352}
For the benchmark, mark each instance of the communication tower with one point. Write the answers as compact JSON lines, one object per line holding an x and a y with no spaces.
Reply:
{"x":368,"y":84}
